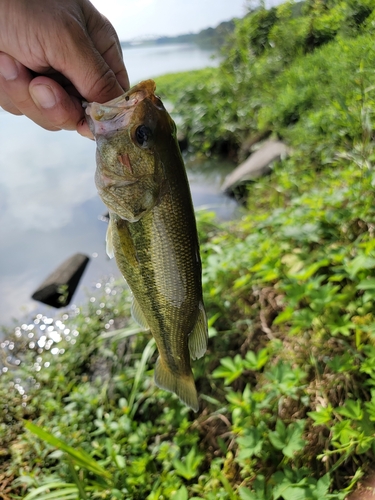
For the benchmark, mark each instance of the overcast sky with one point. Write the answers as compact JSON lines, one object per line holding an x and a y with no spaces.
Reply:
{"x":137,"y":18}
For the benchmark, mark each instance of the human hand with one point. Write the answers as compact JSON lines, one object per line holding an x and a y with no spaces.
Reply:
{"x":53,"y":54}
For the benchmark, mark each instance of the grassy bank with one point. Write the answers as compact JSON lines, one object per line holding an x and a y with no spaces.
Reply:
{"x":287,"y":385}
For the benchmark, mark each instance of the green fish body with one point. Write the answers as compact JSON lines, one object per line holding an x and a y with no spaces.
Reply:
{"x":152,"y":231}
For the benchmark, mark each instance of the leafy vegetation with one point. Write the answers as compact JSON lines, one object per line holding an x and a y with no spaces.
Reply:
{"x":281,"y":75}
{"x":288,"y":383}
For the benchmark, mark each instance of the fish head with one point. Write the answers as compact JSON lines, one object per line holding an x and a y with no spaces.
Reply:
{"x":130,"y":131}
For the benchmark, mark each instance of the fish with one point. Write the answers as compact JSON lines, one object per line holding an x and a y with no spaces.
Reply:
{"x":152,"y":233}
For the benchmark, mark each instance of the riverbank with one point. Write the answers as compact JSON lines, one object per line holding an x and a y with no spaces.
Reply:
{"x":287,"y":370}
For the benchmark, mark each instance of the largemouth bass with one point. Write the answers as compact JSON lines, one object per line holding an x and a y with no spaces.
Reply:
{"x":152,"y":233}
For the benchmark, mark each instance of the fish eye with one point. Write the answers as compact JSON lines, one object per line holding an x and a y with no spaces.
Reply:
{"x":143,"y":135}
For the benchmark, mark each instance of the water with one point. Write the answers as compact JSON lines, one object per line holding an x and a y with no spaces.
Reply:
{"x":146,"y":62}
{"x":49,"y":207}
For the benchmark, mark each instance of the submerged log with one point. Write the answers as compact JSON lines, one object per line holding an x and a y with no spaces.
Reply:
{"x":58,"y":288}
{"x":257,"y":165}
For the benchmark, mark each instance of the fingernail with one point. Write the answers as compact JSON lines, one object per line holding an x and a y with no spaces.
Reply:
{"x":43,"y":96}
{"x":8,"y":67}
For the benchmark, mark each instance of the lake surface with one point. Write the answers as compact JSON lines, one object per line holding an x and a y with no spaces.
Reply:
{"x":49,"y":207}
{"x":146,"y":62}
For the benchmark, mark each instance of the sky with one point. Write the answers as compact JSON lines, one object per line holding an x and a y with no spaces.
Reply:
{"x":140,"y":18}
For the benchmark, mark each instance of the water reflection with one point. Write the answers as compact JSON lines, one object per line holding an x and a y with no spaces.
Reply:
{"x":31,"y":347}
{"x":205,"y":178}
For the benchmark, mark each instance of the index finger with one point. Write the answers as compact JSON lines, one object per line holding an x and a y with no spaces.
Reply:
{"x":93,"y":59}
{"x":101,"y":32}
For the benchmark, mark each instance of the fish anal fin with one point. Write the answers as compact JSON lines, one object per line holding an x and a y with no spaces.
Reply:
{"x":137,"y":314}
{"x":109,"y":242}
{"x":182,"y":386}
{"x":198,"y":339}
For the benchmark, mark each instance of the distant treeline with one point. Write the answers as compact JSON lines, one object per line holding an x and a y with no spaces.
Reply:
{"x":209,"y":37}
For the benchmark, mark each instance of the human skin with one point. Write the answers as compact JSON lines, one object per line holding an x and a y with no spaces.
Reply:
{"x":53,"y":55}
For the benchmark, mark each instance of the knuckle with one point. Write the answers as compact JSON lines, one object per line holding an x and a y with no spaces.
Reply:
{"x":66,"y":116}
{"x":59,"y":119}
{"x":66,"y":125}
{"x":104,"y":87}
{"x":7,"y":105}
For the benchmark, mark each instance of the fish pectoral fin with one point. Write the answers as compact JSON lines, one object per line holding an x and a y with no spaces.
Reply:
{"x":125,"y":243}
{"x":182,"y":386}
{"x":198,"y":339}
{"x":138,"y":316}
{"x":108,"y":241}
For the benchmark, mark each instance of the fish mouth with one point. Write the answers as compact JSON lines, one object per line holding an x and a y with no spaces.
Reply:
{"x":116,"y":114}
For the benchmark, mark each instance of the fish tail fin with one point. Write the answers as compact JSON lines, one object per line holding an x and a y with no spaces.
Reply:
{"x":182,"y":386}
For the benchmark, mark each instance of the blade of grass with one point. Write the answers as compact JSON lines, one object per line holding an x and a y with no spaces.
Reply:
{"x":80,"y":457}
{"x":44,"y":493}
{"x":122,"y":333}
{"x":146,"y":356}
{"x":76,"y":479}
{"x":228,"y":488}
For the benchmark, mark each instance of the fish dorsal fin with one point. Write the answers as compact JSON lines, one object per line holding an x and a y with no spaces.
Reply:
{"x":138,"y":316}
{"x":198,"y":338}
{"x":181,"y":385}
{"x":108,"y":240}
